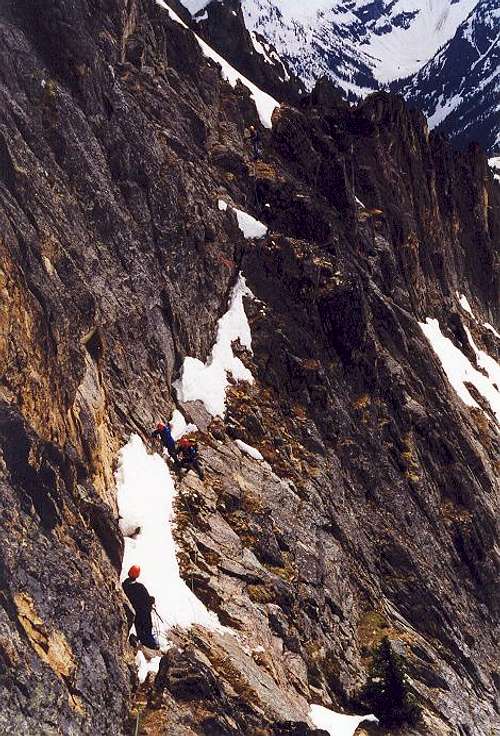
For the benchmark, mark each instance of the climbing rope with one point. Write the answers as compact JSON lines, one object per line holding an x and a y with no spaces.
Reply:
{"x":158,"y":632}
{"x":160,"y":636}
{"x":137,"y":723}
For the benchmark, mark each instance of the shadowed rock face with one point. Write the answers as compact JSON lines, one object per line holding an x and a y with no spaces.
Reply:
{"x":374,"y":513}
{"x":223,"y":26}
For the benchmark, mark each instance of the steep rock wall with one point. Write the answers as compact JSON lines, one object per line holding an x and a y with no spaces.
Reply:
{"x":376,"y":514}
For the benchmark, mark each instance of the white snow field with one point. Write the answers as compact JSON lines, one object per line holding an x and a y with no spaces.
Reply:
{"x":249,"y":226}
{"x":485,"y":362}
{"x":405,"y":50}
{"x":494,"y":164}
{"x":207,"y":382}
{"x":249,"y":450}
{"x":464,"y":303}
{"x":264,"y":103}
{"x":491,"y":329}
{"x":303,"y":31}
{"x":459,"y":370}
{"x":466,"y":306}
{"x":145,"y":495}
{"x":194,"y":6}
{"x":179,"y":427}
{"x":337,"y":724}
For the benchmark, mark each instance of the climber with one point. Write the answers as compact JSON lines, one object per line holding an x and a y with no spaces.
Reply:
{"x":164,"y":433}
{"x":142,"y":603}
{"x":188,"y":457}
{"x":255,"y":140}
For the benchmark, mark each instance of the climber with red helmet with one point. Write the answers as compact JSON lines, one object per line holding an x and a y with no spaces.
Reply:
{"x":164,"y":433}
{"x":187,"y":456}
{"x":142,"y":603}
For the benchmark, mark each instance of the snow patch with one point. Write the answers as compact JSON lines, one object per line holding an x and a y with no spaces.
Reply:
{"x":467,"y":308}
{"x":264,"y":103}
{"x":494,"y":164}
{"x":49,"y":267}
{"x":270,"y":56}
{"x":208,"y":381}
{"x":444,"y":108}
{"x":465,"y":304}
{"x":249,"y":226}
{"x":485,"y":362}
{"x":145,"y":495}
{"x":249,"y":450}
{"x":145,"y":666}
{"x":194,"y":6}
{"x":260,"y":49}
{"x":179,"y":427}
{"x":491,"y":329}
{"x":337,"y":724}
{"x":459,"y":370}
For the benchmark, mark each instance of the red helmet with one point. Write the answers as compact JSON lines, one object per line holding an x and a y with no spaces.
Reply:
{"x":134,"y":572}
{"x":160,"y":426}
{"x":184,"y":441}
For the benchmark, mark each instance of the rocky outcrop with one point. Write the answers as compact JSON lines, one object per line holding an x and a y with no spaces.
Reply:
{"x":60,"y":609}
{"x":374,"y":511}
{"x":223,"y":26}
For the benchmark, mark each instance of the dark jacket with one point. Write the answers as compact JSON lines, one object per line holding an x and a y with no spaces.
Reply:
{"x":254,"y":135}
{"x":166,"y":437}
{"x":189,"y":453}
{"x":255,"y":140}
{"x":141,"y":601}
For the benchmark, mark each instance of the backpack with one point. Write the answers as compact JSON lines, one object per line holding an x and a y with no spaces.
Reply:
{"x":188,"y":447}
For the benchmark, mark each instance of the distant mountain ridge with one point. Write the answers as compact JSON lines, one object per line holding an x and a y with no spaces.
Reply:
{"x":442,"y":55}
{"x":359,"y":44}
{"x":459,"y":89}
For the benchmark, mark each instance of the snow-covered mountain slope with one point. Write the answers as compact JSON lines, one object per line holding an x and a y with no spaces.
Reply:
{"x":264,"y":103}
{"x":459,"y":89}
{"x":222,"y":26}
{"x":495,"y":166}
{"x":359,"y":42}
{"x":349,"y":40}
{"x":441,"y":54}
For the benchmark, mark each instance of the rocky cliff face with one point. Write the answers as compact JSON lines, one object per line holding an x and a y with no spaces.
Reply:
{"x":223,"y":25}
{"x":441,"y":55}
{"x":374,"y":512}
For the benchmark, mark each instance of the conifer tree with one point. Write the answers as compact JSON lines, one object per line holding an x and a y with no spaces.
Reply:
{"x":386,"y":691}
